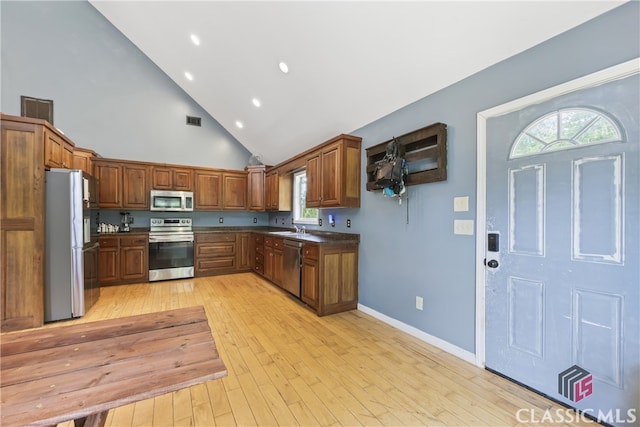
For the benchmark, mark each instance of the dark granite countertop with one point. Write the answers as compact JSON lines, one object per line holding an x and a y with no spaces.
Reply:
{"x":313,"y":236}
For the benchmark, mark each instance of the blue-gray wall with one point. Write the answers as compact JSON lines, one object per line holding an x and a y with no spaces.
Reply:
{"x":108,"y":96}
{"x":406,"y":250}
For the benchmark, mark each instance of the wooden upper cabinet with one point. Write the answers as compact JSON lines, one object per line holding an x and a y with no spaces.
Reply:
{"x":208,"y":190}
{"x":109,"y":175}
{"x":122,"y":184}
{"x":58,"y":152}
{"x":278,"y":191}
{"x":256,"y":188}
{"x":135,"y":186}
{"x":83,"y":160}
{"x":333,"y":174}
{"x":171,"y":178}
{"x":234,"y":190}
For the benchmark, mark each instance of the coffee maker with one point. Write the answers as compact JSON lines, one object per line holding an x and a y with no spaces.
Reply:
{"x":126,"y":219}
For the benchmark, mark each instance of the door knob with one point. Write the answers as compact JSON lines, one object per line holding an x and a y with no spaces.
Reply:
{"x":492,"y":263}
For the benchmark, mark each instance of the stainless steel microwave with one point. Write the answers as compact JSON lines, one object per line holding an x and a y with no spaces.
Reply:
{"x":171,"y":201}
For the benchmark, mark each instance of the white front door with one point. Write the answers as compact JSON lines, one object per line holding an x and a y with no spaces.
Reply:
{"x":563,"y":230}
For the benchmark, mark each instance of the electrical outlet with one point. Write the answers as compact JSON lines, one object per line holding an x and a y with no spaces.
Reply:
{"x":348,"y":223}
{"x":282,"y":222}
{"x":419,"y":303}
{"x":221,"y":220}
{"x":255,"y":220}
{"x":320,"y":222}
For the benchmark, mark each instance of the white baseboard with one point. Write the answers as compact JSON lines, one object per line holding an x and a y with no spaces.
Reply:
{"x":465,"y":355}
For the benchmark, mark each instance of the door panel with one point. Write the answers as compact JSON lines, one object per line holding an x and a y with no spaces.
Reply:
{"x":564,"y":289}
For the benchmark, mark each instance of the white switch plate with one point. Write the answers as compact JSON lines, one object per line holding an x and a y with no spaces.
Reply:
{"x":419,"y":303}
{"x":463,"y":226}
{"x":461,"y":204}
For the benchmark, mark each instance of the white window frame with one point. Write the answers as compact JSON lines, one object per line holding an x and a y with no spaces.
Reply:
{"x":298,"y":201}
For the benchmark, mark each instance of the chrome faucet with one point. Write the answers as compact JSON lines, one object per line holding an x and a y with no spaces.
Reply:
{"x":298,"y":229}
{"x":304,"y":230}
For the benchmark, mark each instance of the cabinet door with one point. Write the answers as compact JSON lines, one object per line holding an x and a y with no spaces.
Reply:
{"x":21,"y":226}
{"x":161,"y":178}
{"x":134,"y":263}
{"x":67,"y":155}
{"x":268,"y":263}
{"x":256,"y":189}
{"x":135,"y":187}
{"x":271,"y":192}
{"x":235,"y":191}
{"x":244,"y":251}
{"x":208,"y":190}
{"x":313,"y":181}
{"x":52,"y":149}
{"x":108,"y":270}
{"x":278,"y":261}
{"x":331,"y":176}
{"x":183,"y":179}
{"x":310,"y":282}
{"x":82,"y":162}
{"x":109,"y":175}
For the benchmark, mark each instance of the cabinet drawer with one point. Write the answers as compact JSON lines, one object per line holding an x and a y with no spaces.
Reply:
{"x":310,"y":251}
{"x":134,"y":241}
{"x":259,"y":259}
{"x":268,"y":242}
{"x":278,"y":244}
{"x":108,"y":242}
{"x":215,"y":237}
{"x":259,"y":240}
{"x":215,"y":250}
{"x":212,"y":264}
{"x":259,"y":269}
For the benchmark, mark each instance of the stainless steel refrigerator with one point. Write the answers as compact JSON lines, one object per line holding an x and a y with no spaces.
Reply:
{"x":71,"y":249}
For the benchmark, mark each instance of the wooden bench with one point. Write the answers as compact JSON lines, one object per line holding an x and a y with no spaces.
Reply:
{"x":79,"y":372}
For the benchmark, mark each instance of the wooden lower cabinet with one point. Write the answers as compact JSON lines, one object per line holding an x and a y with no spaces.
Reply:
{"x":123,"y":259}
{"x":221,"y":253}
{"x":330,"y":277}
{"x":273,"y":260}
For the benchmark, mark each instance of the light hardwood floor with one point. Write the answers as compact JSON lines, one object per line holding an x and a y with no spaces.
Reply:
{"x":289,"y":367}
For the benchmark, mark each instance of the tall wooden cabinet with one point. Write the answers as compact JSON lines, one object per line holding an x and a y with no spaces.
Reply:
{"x":22,"y":201}
{"x":27,"y":146}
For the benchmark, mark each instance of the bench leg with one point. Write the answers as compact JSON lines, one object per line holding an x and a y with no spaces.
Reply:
{"x":93,"y":420}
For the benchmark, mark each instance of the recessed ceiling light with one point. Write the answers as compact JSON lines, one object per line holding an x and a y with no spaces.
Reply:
{"x":283,"y":67}
{"x":195,"y":39}
{"x":188,"y":75}
{"x":256,"y":102}
{"x":239,"y":124}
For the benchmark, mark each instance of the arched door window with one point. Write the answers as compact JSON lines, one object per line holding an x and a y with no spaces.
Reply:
{"x":563,"y":130}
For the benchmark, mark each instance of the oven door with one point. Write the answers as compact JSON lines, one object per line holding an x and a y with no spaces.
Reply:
{"x":170,"y":259}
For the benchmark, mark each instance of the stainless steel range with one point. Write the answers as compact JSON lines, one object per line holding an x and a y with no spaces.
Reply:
{"x":170,"y":249}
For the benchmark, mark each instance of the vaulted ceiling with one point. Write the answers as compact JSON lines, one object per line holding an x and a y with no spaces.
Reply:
{"x":350,"y":63}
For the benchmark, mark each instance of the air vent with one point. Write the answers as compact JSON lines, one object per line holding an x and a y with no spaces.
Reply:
{"x":36,"y":108}
{"x":194,"y":121}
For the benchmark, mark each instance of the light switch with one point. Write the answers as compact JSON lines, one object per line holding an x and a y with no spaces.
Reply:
{"x":461,"y":204}
{"x":463,"y":226}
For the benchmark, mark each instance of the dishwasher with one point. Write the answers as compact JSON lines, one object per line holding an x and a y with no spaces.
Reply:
{"x":292,"y":261}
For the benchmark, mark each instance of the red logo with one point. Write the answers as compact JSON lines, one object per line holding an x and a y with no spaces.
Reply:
{"x":575,"y":383}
